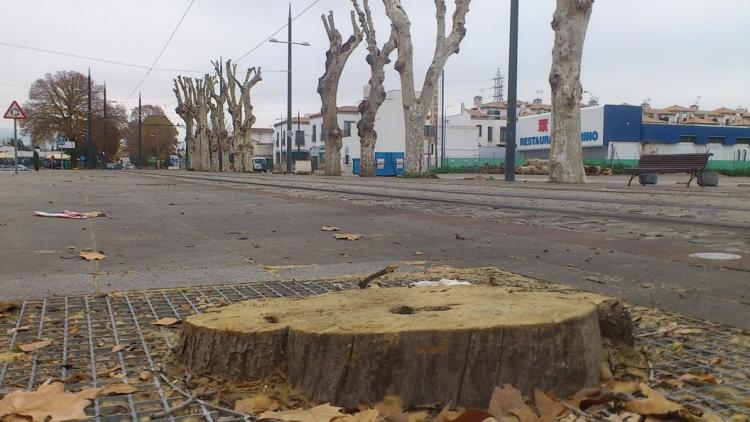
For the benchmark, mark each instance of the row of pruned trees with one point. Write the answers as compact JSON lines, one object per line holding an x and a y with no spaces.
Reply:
{"x":570,"y":23}
{"x":417,"y":104}
{"x":215,"y":143}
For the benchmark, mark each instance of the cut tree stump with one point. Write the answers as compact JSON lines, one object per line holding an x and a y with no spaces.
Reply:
{"x":422,"y":344}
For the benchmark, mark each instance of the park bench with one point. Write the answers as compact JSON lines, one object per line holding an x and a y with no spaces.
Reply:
{"x":693,"y":164}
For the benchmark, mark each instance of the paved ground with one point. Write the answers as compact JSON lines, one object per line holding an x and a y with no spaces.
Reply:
{"x":199,"y":229}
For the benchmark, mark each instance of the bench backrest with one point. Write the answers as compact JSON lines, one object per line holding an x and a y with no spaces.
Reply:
{"x":666,"y":162}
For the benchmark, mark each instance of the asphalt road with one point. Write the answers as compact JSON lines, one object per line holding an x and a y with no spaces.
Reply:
{"x":164,"y":231}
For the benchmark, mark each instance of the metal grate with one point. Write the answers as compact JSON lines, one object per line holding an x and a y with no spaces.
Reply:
{"x":85,"y":331}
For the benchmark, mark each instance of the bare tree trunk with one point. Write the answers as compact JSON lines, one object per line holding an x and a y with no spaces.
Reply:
{"x":368,"y":108}
{"x":183,"y":109}
{"x":203,"y":131}
{"x":328,"y":86}
{"x":570,"y":22}
{"x":417,"y":107}
{"x":219,"y":127}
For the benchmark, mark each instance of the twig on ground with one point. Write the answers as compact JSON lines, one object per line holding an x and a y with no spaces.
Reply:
{"x":164,"y":413}
{"x":581,"y":413}
{"x":203,"y":402}
{"x":387,"y":270}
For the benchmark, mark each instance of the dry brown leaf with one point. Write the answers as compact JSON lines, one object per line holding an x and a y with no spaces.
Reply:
{"x":447,"y":415}
{"x":322,"y":413}
{"x":89,"y":393}
{"x":92,"y":255}
{"x":391,"y":407}
{"x":117,"y":389}
{"x":548,"y":407}
{"x":618,"y":386}
{"x":117,"y":348}
{"x":145,"y":376}
{"x":503,"y":399}
{"x":329,"y":228}
{"x":13,"y":356}
{"x":166,"y":321}
{"x":256,"y":404}
{"x":696,"y":378}
{"x":18,"y":329}
{"x":342,"y":236}
{"x":369,"y":415}
{"x":654,"y":404}
{"x":34,"y":346}
{"x":50,"y":403}
{"x":7,"y":307}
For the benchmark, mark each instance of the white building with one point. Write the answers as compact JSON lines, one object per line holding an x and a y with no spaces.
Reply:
{"x":263,"y":141}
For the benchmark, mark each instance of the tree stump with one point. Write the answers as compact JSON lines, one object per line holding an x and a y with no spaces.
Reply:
{"x":423,"y":344}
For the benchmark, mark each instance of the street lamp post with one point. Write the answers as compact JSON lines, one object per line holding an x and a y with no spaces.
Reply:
{"x":104,"y":129}
{"x":140,"y":127}
{"x":92,"y":156}
{"x":510,"y":141}
{"x":289,"y":44}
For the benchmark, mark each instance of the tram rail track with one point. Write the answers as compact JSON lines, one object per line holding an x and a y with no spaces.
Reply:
{"x":357,"y":189}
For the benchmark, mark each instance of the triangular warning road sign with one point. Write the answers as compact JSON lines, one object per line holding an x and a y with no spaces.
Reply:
{"x":15,"y":112}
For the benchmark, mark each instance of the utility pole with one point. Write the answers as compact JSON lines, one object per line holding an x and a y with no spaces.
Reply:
{"x":442,"y":135}
{"x":299,"y":129}
{"x":510,"y":142}
{"x":104,"y":129}
{"x":289,"y":95}
{"x":140,"y":126}
{"x":91,"y":154}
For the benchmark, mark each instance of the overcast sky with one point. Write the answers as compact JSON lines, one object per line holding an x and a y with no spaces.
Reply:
{"x":671,"y":51}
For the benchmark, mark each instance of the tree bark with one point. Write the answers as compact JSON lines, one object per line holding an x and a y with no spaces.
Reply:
{"x":183,"y":109}
{"x":417,"y":107}
{"x":570,"y":22}
{"x":421,"y":344}
{"x":202,"y":98}
{"x":328,"y":86}
{"x":252,"y":77}
{"x":218,"y":127}
{"x":377,"y":59}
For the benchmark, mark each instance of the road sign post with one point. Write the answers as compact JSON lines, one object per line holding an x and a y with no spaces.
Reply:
{"x":16,"y":113}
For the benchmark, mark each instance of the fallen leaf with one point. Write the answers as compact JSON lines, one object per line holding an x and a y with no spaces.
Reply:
{"x":548,"y":407}
{"x":506,"y":402}
{"x":391,"y":405}
{"x":34,"y":346}
{"x":117,"y":389}
{"x":447,"y":415}
{"x":117,"y":348}
{"x":92,"y":255}
{"x":369,"y":415}
{"x":18,"y":329}
{"x":256,"y":404}
{"x":89,"y":393}
{"x":322,"y":413}
{"x":617,"y":386}
{"x":341,"y":236}
{"x":654,"y":404}
{"x":166,"y":321}
{"x":13,"y":356}
{"x":145,"y":376}
{"x":8,"y":306}
{"x":329,"y":228}
{"x":50,"y":403}
{"x":696,"y":378}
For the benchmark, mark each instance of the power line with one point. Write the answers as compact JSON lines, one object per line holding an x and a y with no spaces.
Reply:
{"x":166,"y":44}
{"x":94,"y":59}
{"x":277,"y":31}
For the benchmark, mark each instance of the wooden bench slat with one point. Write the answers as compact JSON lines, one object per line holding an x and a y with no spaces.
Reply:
{"x":671,"y":163}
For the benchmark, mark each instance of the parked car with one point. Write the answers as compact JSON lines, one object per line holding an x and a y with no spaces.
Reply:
{"x":260,"y":164}
{"x":129,"y":166}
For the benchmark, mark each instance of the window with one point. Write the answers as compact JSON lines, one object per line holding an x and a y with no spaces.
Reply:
{"x":504,"y":135}
{"x":480,"y":130}
{"x":299,"y":138}
{"x":430,"y":131}
{"x":346,"y":155}
{"x":348,"y":128}
{"x":743,"y":140}
{"x":715,"y":139}
{"x":489,"y":134}
{"x":688,"y":138}
{"x":315,"y":133}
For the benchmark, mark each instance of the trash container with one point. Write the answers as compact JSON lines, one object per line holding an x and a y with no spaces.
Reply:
{"x":648,"y":178}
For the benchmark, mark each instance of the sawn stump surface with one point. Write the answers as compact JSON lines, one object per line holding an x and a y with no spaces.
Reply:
{"x":449,"y":344}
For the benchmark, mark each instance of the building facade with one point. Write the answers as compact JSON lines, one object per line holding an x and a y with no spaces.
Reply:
{"x":620,"y":134}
